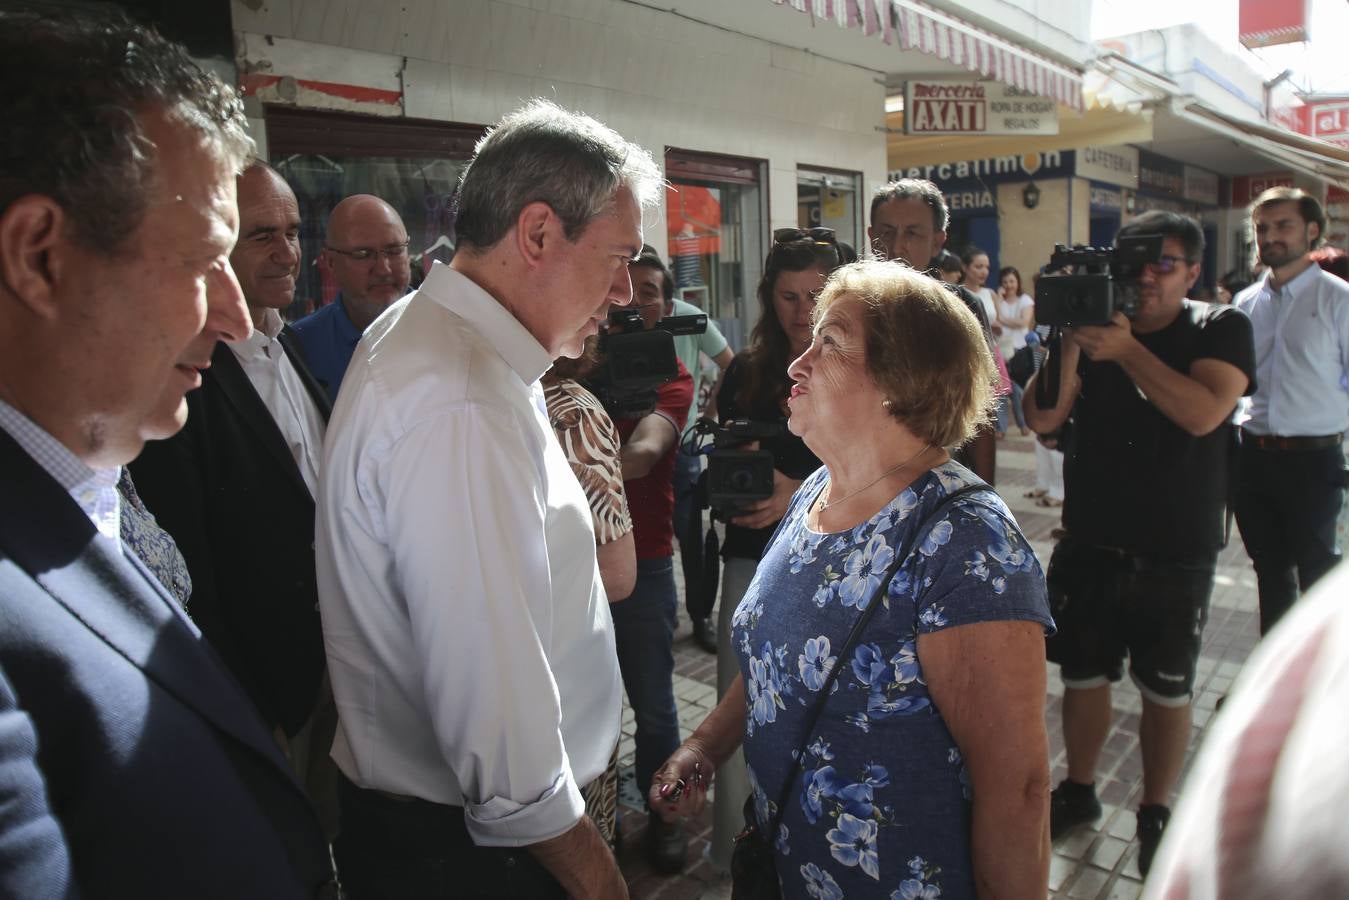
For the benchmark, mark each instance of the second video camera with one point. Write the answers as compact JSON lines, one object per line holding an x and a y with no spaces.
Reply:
{"x":1088,"y":285}
{"x":735,"y":476}
{"x":636,"y":362}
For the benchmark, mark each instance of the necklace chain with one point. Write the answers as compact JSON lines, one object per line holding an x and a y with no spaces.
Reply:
{"x":870,"y":484}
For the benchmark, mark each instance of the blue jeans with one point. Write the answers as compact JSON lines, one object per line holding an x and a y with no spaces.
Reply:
{"x":1014,"y":400}
{"x":644,"y":626}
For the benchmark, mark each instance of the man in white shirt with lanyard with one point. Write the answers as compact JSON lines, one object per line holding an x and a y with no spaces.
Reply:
{"x":1291,"y":482}
{"x":468,"y":634}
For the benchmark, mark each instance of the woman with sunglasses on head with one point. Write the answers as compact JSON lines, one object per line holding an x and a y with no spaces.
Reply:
{"x":755,"y":386}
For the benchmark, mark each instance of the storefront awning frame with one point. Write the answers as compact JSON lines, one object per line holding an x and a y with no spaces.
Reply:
{"x":914,"y":25}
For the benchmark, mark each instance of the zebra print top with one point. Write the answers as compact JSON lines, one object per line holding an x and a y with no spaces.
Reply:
{"x":589,"y":439}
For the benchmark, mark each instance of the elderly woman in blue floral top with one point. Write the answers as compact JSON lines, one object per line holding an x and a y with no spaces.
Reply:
{"x":927,"y":774}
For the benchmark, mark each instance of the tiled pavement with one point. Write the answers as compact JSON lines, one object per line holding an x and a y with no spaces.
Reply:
{"x":1099,"y":863}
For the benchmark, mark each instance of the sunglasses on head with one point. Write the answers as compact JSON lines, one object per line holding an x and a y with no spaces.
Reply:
{"x":792,"y":235}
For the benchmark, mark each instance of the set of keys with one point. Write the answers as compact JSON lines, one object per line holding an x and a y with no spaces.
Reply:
{"x":681,"y":785}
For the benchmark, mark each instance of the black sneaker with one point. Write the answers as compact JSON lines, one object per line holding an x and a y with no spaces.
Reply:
{"x":1070,"y":805}
{"x":705,"y":634}
{"x":667,"y":845}
{"x":1152,"y":821}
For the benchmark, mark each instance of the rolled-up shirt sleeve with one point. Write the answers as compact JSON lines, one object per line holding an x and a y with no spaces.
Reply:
{"x":469,"y":547}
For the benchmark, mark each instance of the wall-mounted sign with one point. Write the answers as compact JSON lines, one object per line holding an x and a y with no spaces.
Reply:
{"x":1106,"y":199}
{"x":995,"y":170}
{"x":976,"y":107}
{"x":1160,"y":175}
{"x":1246,"y":188}
{"x":1113,"y":165}
{"x":1329,"y":121}
{"x":1201,"y":186}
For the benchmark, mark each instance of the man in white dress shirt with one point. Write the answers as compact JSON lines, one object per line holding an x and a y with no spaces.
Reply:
{"x":1291,"y":482}
{"x":467,"y":630}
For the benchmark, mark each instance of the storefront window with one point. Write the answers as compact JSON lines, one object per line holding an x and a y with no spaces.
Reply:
{"x":716,"y":222}
{"x":413,"y":166}
{"x":828,"y":198}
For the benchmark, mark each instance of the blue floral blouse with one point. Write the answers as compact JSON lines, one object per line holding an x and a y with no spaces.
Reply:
{"x":882,"y":806}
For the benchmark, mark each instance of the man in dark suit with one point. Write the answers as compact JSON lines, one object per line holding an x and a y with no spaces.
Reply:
{"x":235,"y":489}
{"x":131,"y":762}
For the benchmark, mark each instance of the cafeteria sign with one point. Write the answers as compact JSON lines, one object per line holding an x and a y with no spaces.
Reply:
{"x":976,"y":107}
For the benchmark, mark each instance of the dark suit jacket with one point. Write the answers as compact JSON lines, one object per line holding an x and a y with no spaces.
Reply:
{"x":228,"y":491}
{"x":131,"y":763}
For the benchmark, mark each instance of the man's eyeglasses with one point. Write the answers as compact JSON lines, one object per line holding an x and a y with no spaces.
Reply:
{"x":366,"y":254}
{"x":1165,"y":265}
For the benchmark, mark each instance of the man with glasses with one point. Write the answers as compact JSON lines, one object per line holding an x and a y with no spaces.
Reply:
{"x":1292,"y":452}
{"x":366,"y":250}
{"x":909,"y":218}
{"x":1145,"y":473}
{"x":238,"y":482}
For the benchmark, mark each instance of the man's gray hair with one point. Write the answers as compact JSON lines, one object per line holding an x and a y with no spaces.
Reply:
{"x":914,"y":189}
{"x":544,"y":153}
{"x":74,"y":85}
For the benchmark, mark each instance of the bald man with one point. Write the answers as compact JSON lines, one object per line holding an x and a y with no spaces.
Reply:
{"x":236,"y":487}
{"x":366,"y":250}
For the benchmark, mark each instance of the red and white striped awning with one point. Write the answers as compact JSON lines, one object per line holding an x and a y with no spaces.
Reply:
{"x":921,"y":27}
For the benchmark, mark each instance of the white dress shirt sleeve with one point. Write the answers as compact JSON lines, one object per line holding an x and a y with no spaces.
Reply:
{"x":468,"y":540}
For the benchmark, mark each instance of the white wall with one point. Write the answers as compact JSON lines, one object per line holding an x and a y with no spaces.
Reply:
{"x":659,"y":79}
{"x":1202,"y":68}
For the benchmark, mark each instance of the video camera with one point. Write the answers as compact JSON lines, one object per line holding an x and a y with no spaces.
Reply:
{"x":734,"y":476}
{"x":636,"y":362}
{"x":1087,"y":285}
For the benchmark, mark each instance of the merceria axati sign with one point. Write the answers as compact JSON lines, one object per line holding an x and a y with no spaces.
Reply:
{"x":976,"y":107}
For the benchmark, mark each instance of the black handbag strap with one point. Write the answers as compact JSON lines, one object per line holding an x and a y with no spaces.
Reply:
{"x":850,"y":644}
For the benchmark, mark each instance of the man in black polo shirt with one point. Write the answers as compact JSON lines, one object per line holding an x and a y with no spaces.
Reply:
{"x":1145,"y":474}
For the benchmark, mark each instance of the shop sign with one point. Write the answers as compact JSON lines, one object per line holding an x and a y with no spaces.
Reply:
{"x":1246,"y":188}
{"x":1143,"y":203}
{"x":995,"y":170}
{"x":1113,"y":165}
{"x":1106,"y":199}
{"x":1201,"y":186}
{"x":1329,"y":121}
{"x":1160,"y":175}
{"x":976,"y":107}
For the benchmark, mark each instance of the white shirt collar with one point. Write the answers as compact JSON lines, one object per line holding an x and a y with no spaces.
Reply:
{"x":462,"y":296}
{"x":259,"y":343}
{"x":1297,"y":285}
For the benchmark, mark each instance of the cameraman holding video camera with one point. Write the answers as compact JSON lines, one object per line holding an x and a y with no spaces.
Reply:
{"x":644,"y":623}
{"x":1146,"y":484}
